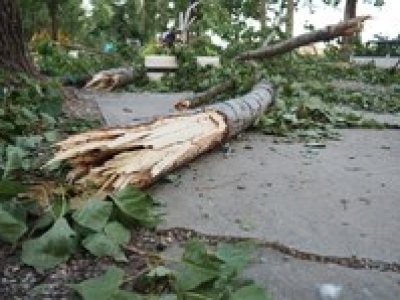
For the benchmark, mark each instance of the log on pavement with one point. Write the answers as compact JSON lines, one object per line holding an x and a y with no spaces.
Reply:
{"x":111,"y":79}
{"x":139,"y":154}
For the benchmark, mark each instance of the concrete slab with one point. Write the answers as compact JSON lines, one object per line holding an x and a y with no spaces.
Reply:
{"x":287,"y":278}
{"x":384,"y":118}
{"x":341,"y":200}
{"x":392,"y":120}
{"x":129,"y":108}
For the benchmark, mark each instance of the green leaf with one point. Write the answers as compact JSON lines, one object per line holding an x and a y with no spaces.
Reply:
{"x":51,"y":136}
{"x":94,"y":214}
{"x":199,"y":267}
{"x":59,"y":206}
{"x":160,"y":271}
{"x":168,"y":297}
{"x":44,"y":221}
{"x":48,"y":119}
{"x":196,"y":253}
{"x":125,"y":295}
{"x":11,"y":228}
{"x":191,"y":277}
{"x":28,"y":141}
{"x":236,"y":256}
{"x":14,"y":158}
{"x":52,"y":248}
{"x":7,"y":127}
{"x":9,"y":189}
{"x":27,"y":115}
{"x":137,"y":206}
{"x":250,"y":292}
{"x":100,"y":245}
{"x":103,"y":287}
{"x":118,"y":233}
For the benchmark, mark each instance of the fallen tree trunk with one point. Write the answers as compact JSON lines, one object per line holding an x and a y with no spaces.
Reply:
{"x":206,"y":96}
{"x":112,"y":78}
{"x":139,"y":154}
{"x":346,"y":28}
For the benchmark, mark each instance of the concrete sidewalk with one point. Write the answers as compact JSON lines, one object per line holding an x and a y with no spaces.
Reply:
{"x":342,"y":200}
{"x":129,"y":108}
{"x":292,"y":279}
{"x":339,"y":199}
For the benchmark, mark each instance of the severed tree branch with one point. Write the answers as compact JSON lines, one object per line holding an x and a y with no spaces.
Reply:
{"x":330,"y":32}
{"x":112,"y":78}
{"x":209,"y":95}
{"x":206,"y":96}
{"x":345,"y":28}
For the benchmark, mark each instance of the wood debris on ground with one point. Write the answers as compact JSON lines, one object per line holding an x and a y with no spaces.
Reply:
{"x":112,"y":158}
{"x":111,"y":79}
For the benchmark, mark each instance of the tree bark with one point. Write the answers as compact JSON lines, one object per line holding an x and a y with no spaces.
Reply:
{"x":345,"y":28}
{"x":289,"y":17}
{"x":209,"y":95}
{"x":350,"y":12}
{"x":52,"y":7}
{"x":206,"y":96}
{"x":14,"y":56}
{"x":111,"y":79}
{"x":140,"y":154}
{"x":263,"y":14}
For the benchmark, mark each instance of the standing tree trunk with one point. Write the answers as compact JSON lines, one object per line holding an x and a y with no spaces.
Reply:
{"x":289,"y":17}
{"x":263,"y":14}
{"x":349,"y":13}
{"x":52,"y":7}
{"x":143,"y":23}
{"x":14,"y":56}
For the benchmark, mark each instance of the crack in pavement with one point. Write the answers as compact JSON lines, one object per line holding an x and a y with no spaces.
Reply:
{"x":181,"y":234}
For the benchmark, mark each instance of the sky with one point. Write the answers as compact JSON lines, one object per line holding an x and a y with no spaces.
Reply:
{"x":385,"y":20}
